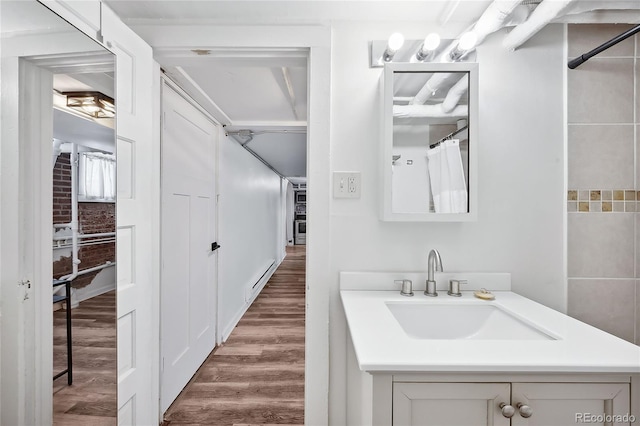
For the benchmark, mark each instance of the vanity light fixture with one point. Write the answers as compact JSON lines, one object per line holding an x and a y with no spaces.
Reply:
{"x":466,"y":43}
{"x":93,"y":104}
{"x":396,"y":49}
{"x":428,"y":48}
{"x":396,"y":40}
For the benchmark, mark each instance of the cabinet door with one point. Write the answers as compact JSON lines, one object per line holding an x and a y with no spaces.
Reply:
{"x":450,"y":404}
{"x":568,"y":404}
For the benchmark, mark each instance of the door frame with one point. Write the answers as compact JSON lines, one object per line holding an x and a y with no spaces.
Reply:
{"x":167,"y":82}
{"x":316,"y":39}
{"x":26,"y":245}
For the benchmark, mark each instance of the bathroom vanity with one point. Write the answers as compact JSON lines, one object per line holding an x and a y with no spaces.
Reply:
{"x":464,"y":361}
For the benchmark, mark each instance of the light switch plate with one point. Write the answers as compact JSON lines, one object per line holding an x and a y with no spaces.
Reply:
{"x":346,"y":184}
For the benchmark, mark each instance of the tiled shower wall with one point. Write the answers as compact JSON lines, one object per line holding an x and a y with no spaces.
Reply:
{"x":603,"y":182}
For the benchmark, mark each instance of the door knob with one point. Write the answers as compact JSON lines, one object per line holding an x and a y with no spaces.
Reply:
{"x":525,"y":410}
{"x":507,"y":410}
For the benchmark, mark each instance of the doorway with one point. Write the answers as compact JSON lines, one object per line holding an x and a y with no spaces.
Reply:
{"x":262,"y":148}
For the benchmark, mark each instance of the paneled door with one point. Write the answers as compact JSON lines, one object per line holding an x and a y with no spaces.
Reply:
{"x":188,"y":242}
{"x":137,"y":222}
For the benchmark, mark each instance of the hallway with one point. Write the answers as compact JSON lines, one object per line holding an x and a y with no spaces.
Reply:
{"x":257,"y":376}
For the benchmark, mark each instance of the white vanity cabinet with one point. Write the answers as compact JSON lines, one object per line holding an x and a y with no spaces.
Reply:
{"x":456,"y":403}
{"x":567,"y":374}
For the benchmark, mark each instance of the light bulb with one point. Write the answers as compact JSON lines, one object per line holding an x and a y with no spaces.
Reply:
{"x":91,"y":108}
{"x":428,"y":48}
{"x":396,"y":40}
{"x":468,"y":41}
{"x":431,"y":42}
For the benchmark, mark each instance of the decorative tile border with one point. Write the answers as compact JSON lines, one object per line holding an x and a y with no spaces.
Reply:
{"x":602,"y":200}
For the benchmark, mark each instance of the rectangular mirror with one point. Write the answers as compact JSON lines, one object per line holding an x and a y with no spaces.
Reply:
{"x":60,"y":87}
{"x":430,"y":142}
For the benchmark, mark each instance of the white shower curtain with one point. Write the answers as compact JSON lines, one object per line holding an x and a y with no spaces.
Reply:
{"x":446,"y":174}
{"x":97,"y":179}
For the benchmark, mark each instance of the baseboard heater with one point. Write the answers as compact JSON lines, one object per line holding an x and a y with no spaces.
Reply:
{"x":250,"y":291}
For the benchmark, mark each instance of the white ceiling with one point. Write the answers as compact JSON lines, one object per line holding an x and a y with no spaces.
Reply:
{"x":247,"y":90}
{"x":298,"y":11}
{"x":71,"y":128}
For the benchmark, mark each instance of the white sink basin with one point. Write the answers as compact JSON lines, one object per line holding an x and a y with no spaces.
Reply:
{"x":462,"y":321}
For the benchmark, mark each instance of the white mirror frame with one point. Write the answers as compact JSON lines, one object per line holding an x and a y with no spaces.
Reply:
{"x":386,"y":143}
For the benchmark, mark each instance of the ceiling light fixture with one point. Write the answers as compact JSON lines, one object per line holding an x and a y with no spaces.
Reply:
{"x":466,"y":43}
{"x":93,"y":104}
{"x":428,"y":48}
{"x":396,"y":40}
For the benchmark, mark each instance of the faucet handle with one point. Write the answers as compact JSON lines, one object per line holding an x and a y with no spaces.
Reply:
{"x":454,"y":287}
{"x":407,"y":287}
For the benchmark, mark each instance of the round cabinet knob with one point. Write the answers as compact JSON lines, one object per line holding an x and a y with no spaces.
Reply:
{"x":507,"y":410}
{"x":525,"y":410}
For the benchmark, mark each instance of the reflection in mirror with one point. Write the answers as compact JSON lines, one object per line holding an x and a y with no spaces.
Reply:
{"x":430,"y":142}
{"x":83,"y":225}
{"x":428,"y":114}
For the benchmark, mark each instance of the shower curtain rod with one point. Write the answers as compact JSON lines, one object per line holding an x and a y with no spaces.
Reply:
{"x":576,"y":62}
{"x":449,"y":136}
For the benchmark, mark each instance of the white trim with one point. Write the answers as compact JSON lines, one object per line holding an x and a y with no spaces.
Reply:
{"x":565,"y":153}
{"x":26,"y":252}
{"x":224,"y":334}
{"x":84,"y":15}
{"x":166,"y":78}
{"x":156,"y":104}
{"x":10,"y":308}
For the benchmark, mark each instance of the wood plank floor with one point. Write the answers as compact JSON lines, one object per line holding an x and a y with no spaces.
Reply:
{"x":91,"y":399}
{"x":257,"y":376}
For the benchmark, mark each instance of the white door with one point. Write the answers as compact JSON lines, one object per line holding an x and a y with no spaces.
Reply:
{"x":188,"y":283}
{"x":566,"y":404}
{"x":137,"y":223}
{"x":450,"y":404}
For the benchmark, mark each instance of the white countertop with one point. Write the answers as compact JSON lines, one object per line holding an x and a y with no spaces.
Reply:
{"x":381,"y":344}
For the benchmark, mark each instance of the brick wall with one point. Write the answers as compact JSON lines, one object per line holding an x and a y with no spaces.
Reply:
{"x":62,"y":189}
{"x":92,"y":217}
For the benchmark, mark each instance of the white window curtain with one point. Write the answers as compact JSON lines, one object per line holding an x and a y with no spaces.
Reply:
{"x":97,"y":177}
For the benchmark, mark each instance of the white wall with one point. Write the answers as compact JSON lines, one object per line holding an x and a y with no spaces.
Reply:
{"x":250,"y":227}
{"x":411,"y":187}
{"x":521,"y":177}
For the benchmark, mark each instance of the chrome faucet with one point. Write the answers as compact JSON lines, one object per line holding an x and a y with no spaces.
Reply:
{"x":434,"y":264}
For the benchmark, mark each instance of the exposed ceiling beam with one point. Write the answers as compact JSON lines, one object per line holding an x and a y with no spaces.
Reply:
{"x":448,"y":12}
{"x":290,"y":125}
{"x":602,"y":17}
{"x":552,"y":10}
{"x":290,"y":91}
{"x":203,"y":56}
